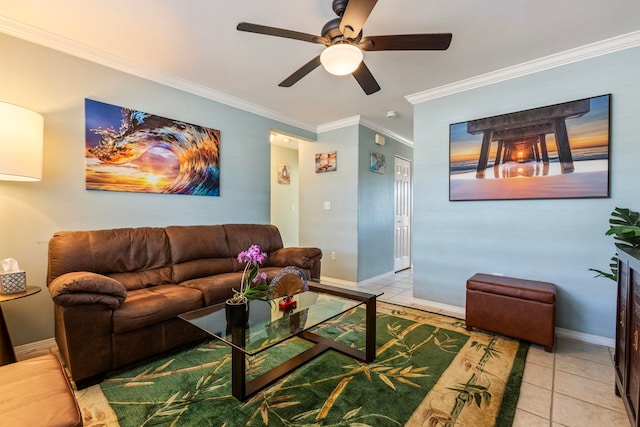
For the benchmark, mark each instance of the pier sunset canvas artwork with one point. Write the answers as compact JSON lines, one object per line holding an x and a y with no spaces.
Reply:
{"x":556,"y":151}
{"x":132,"y":151}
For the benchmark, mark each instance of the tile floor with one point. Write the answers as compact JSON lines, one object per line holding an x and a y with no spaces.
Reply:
{"x":574,"y":386}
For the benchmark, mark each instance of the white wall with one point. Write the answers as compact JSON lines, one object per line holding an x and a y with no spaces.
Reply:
{"x":549,"y":240}
{"x":285,"y":206}
{"x":56,"y":85}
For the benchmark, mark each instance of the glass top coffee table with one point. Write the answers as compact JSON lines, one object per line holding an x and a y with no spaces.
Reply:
{"x":269,"y":326}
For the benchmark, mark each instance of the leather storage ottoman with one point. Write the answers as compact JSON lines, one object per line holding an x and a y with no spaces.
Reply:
{"x":517,"y":308}
{"x":37,"y":392}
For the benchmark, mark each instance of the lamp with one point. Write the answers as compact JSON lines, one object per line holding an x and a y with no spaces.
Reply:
{"x":341,"y":59}
{"x":21,"y":135}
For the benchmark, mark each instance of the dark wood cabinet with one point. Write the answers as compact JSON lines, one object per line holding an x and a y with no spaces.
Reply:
{"x":627,"y":355}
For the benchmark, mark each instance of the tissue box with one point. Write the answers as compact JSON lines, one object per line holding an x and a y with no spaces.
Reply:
{"x":13,"y":283}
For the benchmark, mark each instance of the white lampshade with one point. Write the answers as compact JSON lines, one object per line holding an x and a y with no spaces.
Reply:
{"x":21,"y":135}
{"x":341,"y":59}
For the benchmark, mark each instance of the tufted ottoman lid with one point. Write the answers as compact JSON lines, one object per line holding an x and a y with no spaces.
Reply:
{"x":517,"y":288}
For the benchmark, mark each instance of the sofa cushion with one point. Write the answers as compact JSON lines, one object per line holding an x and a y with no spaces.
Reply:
{"x":241,"y":236}
{"x":198,"y":251}
{"x":122,"y":250}
{"x":201,"y":268}
{"x":215,"y":288}
{"x":144,"y":307}
{"x":189,"y":242}
{"x":145,"y":278}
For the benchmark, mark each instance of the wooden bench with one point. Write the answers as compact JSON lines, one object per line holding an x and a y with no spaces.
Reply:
{"x":517,"y":308}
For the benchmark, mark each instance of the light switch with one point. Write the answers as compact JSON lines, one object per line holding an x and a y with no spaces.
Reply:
{"x":327,"y":206}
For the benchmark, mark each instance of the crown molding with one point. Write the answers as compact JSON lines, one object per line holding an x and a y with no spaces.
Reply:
{"x":79,"y":50}
{"x":339,"y":124}
{"x":604,"y":47}
{"x":357,"y":120}
{"x":401,"y":139}
{"x":73,"y":48}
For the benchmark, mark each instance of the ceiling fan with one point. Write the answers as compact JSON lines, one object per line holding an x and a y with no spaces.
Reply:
{"x":345,"y":43}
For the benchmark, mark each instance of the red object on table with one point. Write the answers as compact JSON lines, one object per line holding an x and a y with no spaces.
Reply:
{"x":287,"y":303}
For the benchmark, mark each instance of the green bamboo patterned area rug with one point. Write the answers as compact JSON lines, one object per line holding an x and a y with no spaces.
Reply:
{"x":429,"y":371}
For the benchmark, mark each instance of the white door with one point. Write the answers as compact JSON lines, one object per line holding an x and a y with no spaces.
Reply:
{"x":402,"y":227}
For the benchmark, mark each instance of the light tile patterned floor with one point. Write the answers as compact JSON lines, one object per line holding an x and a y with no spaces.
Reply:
{"x":572,"y":387}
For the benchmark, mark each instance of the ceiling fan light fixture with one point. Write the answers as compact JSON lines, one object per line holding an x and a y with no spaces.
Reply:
{"x":341,"y":59}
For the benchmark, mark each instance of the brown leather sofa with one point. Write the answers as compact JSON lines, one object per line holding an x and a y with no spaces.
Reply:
{"x":118,"y":292}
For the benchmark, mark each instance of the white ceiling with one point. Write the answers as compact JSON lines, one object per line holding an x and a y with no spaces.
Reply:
{"x":194,"y":45}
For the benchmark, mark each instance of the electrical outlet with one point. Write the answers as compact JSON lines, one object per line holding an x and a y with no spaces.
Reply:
{"x":333,"y":256}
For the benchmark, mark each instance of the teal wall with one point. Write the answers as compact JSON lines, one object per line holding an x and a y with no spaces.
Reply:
{"x":56,"y":85}
{"x":333,"y":230}
{"x":359,"y":225}
{"x":376,"y":196}
{"x":548,"y":240}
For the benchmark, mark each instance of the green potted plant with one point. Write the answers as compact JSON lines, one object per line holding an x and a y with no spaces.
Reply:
{"x":624,"y":226}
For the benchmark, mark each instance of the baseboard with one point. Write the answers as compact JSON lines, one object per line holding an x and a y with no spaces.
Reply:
{"x":326,"y":279}
{"x":376,"y":278}
{"x":331,"y":280}
{"x":31,"y":347}
{"x":438,"y":307}
{"x":560,"y":332}
{"x":588,"y":338}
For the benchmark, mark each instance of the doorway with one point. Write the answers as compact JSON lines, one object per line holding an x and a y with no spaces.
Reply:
{"x":403,"y":204}
{"x":284,"y":210}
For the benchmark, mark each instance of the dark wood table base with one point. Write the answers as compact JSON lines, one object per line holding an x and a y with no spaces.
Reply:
{"x":243,"y":389}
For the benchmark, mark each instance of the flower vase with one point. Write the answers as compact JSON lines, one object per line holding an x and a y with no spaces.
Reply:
{"x":237,"y":313}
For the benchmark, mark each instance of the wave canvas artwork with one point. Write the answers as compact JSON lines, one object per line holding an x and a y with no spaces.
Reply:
{"x":557,"y":151}
{"x":132,"y":151}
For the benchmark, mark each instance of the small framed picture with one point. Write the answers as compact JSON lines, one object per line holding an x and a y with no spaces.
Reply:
{"x":284,"y":173}
{"x":326,"y":162}
{"x":377,"y":162}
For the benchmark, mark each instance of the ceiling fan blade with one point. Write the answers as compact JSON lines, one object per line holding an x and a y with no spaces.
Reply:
{"x":354,"y":17}
{"x":301,"y":72}
{"x":279,"y":32}
{"x":365,"y":79}
{"x":407,"y":42}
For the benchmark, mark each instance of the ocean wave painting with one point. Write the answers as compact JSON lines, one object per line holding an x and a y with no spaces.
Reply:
{"x":132,"y":151}
{"x":557,"y":151}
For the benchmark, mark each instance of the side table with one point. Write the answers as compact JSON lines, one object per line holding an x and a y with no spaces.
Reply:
{"x":7,"y":355}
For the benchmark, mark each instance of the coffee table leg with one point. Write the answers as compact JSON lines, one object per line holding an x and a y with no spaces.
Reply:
{"x":238,"y":365}
{"x":370,"y":343}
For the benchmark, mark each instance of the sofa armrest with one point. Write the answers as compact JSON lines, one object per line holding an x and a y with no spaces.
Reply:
{"x":83,"y":287}
{"x":307,"y":258}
